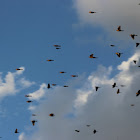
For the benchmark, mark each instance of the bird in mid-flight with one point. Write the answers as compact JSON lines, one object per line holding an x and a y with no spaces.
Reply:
{"x":133,"y":36}
{"x":137,"y":44}
{"x":119,"y":29}
{"x":114,"y":85}
{"x":16,"y":131}
{"x":138,"y":93}
{"x":33,"y":122}
{"x":91,"y":12}
{"x":119,"y":54}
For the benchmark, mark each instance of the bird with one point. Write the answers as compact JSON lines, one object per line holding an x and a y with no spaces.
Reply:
{"x":29,"y":101}
{"x":77,"y":130}
{"x":138,"y":93}
{"x":119,"y":54}
{"x":96,"y":88}
{"x":91,"y":12}
{"x":135,"y":61}
{"x":16,"y":131}
{"x":94,"y":131}
{"x":28,"y":96}
{"x":51,"y":115}
{"x":56,"y":45}
{"x":74,"y":75}
{"x":138,"y":66}
{"x":62,"y":72}
{"x":122,"y":85}
{"x":137,"y":44}
{"x":48,"y":86}
{"x":118,"y":91}
{"x":88,"y":125}
{"x":119,"y":29}
{"x":112,"y":45}
{"x":133,"y":36}
{"x":53,"y":84}
{"x":19,"y":69}
{"x":50,"y":60}
{"x":34,"y":115}
{"x":91,"y":56}
{"x":114,"y":85}
{"x":33,"y":122}
{"x":58,"y":48}
{"x":132,"y":105}
{"x":65,"y":86}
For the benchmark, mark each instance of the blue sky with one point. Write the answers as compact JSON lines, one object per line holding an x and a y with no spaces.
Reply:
{"x":28,"y":31}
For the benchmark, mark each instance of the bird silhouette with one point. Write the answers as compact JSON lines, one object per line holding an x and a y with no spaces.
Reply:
{"x":135,"y":61}
{"x":91,"y":12}
{"x":74,"y":75}
{"x":51,"y":115}
{"x":133,"y":36}
{"x":62,"y":72}
{"x":118,"y":91}
{"x":91,"y":56}
{"x":16,"y":131}
{"x":48,"y":86}
{"x":33,"y":122}
{"x":65,"y":86}
{"x":137,"y":44}
{"x":96,"y":88}
{"x":77,"y":130}
{"x":119,"y":29}
{"x":119,"y":54}
{"x":29,"y":101}
{"x":114,"y":85}
{"x":95,"y":131}
{"x":138,"y":93}
{"x":19,"y":69}
{"x":50,"y":60}
{"x":28,"y":96}
{"x":56,"y":45}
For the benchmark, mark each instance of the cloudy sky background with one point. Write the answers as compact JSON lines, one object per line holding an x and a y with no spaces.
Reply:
{"x":29,"y":29}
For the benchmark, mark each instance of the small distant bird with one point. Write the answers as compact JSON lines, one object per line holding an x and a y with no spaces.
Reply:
{"x":33,"y":122}
{"x":28,"y":96}
{"x":132,"y":105}
{"x":137,"y":44}
{"x":94,"y":131}
{"x":118,"y":91}
{"x":19,"y":69}
{"x":122,"y":85}
{"x":77,"y":130}
{"x":135,"y":61}
{"x":51,"y":115}
{"x":91,"y":12}
{"x":133,"y":36}
{"x":112,"y":45}
{"x":48,"y":86}
{"x":65,"y":86}
{"x":53,"y":84}
{"x":34,"y":115}
{"x":138,"y":93}
{"x":96,"y":88}
{"x":50,"y":60}
{"x":16,"y":131}
{"x":74,"y":75}
{"x":29,"y":101}
{"x":62,"y":72}
{"x":56,"y":45}
{"x":91,"y":56}
{"x":138,"y":66}
{"x":58,"y":48}
{"x":114,"y":85}
{"x":119,"y":29}
{"x":119,"y":54}
{"x":88,"y":125}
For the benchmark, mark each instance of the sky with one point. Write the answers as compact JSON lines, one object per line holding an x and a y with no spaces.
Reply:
{"x":28,"y":31}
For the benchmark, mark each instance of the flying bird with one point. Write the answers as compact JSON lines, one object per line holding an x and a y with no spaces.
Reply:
{"x":53,"y":84}
{"x":33,"y":122}
{"x":50,"y":60}
{"x":56,"y":45}
{"x":16,"y":131}
{"x":62,"y":72}
{"x":122,"y":85}
{"x":138,"y":93}
{"x":29,"y":101}
{"x":91,"y":12}
{"x":77,"y":130}
{"x":94,"y":131}
{"x":112,"y":45}
{"x":135,"y":61}
{"x":74,"y":75}
{"x":114,"y":85}
{"x":118,"y":91}
{"x":51,"y":115}
{"x":34,"y":115}
{"x":19,"y":69}
{"x":137,"y":44}
{"x":119,"y":29}
{"x":58,"y":48}
{"x":96,"y":88}
{"x":48,"y":86}
{"x":133,"y":36}
{"x":132,"y":105}
{"x":65,"y":86}
{"x":88,"y":125}
{"x":119,"y":54}
{"x":91,"y":56}
{"x":28,"y":96}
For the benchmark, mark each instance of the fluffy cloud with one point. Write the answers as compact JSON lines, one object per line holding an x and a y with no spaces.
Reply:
{"x":105,"y":110}
{"x":13,"y":83}
{"x":110,"y":14}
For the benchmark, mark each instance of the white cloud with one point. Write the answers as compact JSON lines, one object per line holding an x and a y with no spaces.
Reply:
{"x":22,"y":137}
{"x":108,"y":112}
{"x":26,"y":83}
